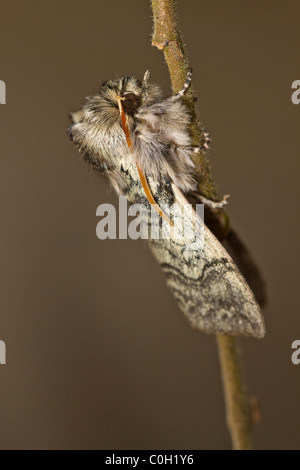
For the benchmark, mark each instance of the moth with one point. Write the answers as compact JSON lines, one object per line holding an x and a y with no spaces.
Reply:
{"x":141,"y":141}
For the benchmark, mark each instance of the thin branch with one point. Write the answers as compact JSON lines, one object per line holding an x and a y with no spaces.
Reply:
{"x":167,"y":38}
{"x":237,"y":404}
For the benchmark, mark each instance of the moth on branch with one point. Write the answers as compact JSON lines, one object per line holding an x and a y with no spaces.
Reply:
{"x":142,"y":142}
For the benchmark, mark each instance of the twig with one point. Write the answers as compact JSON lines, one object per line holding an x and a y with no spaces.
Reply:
{"x":167,"y":38}
{"x":237,"y":404}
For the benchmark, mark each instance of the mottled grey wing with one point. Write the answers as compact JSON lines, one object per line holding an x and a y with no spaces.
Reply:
{"x":207,"y":284}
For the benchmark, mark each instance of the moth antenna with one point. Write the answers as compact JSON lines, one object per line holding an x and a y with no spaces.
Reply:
{"x":142,"y":175}
{"x":124,"y":122}
{"x":150,"y":197}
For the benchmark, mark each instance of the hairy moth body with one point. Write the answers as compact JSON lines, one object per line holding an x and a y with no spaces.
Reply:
{"x":205,"y":281}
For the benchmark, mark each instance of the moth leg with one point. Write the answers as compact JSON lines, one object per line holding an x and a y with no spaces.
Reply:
{"x":204,"y":144}
{"x":185,"y":86}
{"x":189,"y":148}
{"x":205,"y":139}
{"x":212,"y":204}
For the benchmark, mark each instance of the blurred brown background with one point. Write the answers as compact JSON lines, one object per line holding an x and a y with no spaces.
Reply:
{"x":98,"y":353}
